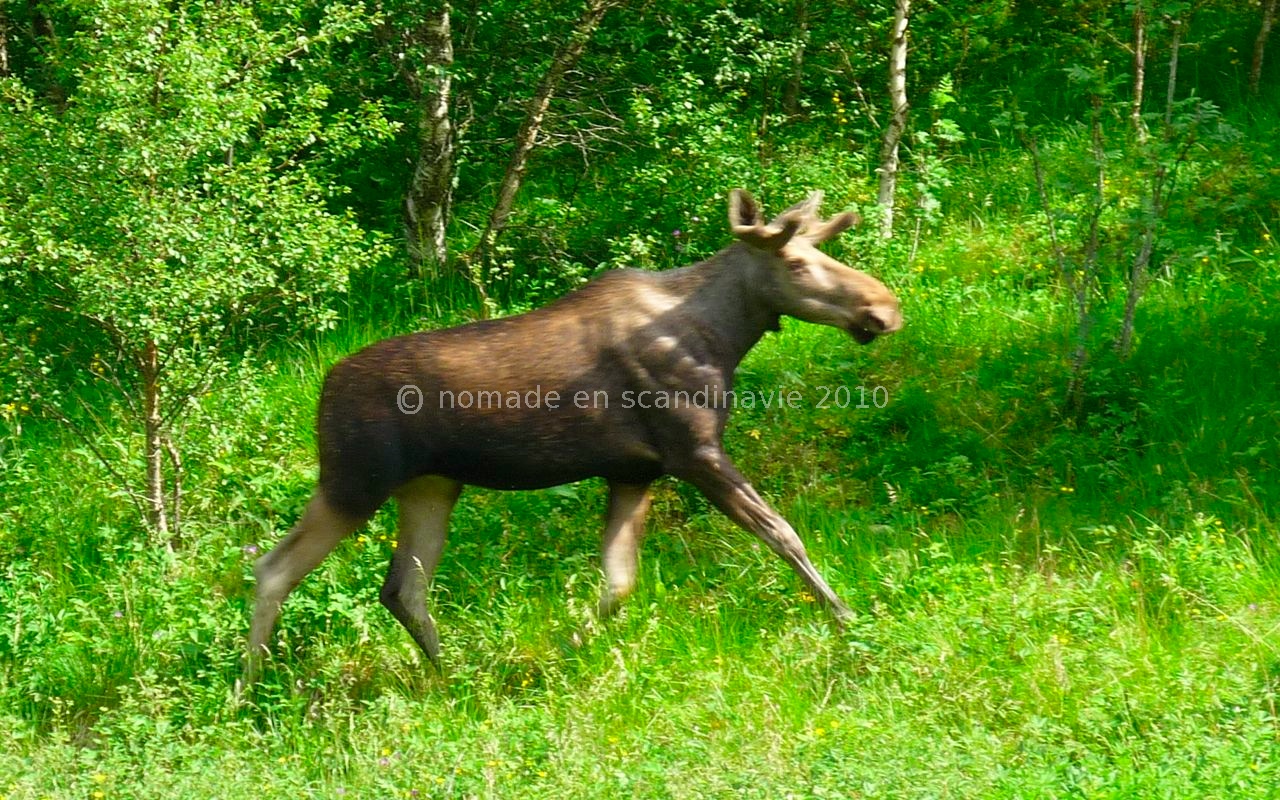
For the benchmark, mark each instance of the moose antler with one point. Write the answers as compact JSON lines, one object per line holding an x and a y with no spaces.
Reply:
{"x":813,"y":227}
{"x":747,"y":222}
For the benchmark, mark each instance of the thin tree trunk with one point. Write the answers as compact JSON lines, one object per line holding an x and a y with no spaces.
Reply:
{"x":1154,"y":209}
{"x":898,"y":120}
{"x":564,"y":60}
{"x":4,"y":43}
{"x":50,"y":48}
{"x":1083,"y":282}
{"x":1260,"y":46}
{"x":1172,"y":92}
{"x":1139,"y":69}
{"x":1070,"y":275}
{"x":791,"y":92}
{"x":1138,"y":277}
{"x":429,"y":199}
{"x":153,"y":444}
{"x":175,"y":464}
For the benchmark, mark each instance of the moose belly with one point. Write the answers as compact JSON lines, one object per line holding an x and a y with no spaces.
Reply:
{"x":536,"y":448}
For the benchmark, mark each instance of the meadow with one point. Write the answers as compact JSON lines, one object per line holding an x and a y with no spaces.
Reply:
{"x":1046,"y":606}
{"x":1062,"y":551}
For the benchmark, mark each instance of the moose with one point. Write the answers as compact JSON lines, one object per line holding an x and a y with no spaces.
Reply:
{"x":540,"y":399}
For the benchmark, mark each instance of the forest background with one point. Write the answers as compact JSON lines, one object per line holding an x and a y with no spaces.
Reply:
{"x":1058,"y":531}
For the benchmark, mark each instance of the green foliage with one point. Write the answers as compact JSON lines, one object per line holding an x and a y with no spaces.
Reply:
{"x":166,"y":206}
{"x":1048,"y":603}
{"x":998,"y":611}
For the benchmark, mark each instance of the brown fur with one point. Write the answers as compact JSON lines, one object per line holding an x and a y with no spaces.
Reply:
{"x":625,"y":333}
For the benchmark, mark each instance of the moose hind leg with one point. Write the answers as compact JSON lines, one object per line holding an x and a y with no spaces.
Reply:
{"x":624,"y":526}
{"x":279,"y":571}
{"x":714,"y":474}
{"x":425,"y":506}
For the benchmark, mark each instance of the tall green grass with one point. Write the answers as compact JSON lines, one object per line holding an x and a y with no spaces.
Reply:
{"x":1047,"y":604}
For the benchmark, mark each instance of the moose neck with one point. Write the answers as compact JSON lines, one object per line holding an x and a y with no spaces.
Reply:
{"x":727,"y":294}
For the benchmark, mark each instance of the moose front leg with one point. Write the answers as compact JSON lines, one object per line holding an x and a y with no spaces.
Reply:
{"x":623,"y":529}
{"x":714,"y":474}
{"x":624,"y":525}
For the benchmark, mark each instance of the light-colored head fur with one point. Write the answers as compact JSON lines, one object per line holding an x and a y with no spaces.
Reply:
{"x":804,"y":282}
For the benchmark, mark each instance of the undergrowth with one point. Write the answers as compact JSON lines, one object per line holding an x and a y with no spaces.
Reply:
{"x":1048,"y":603}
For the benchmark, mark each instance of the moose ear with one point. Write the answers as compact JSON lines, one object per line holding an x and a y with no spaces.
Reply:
{"x":747,"y":223}
{"x":743,"y":211}
{"x":833,"y":227}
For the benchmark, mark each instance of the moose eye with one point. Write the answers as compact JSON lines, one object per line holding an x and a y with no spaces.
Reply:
{"x":795,"y":263}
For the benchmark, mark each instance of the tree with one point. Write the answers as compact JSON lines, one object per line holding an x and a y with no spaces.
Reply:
{"x":564,"y":59}
{"x":164,"y":208}
{"x":429,"y":198}
{"x":897,"y":118}
{"x":4,"y":43}
{"x":791,"y":92}
{"x":1260,"y":45}
{"x":1139,"y":69}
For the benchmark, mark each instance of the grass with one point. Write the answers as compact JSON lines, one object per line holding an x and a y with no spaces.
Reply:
{"x":1046,"y":606}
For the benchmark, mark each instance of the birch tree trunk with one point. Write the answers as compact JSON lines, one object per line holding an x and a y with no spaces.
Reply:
{"x":1139,"y":69}
{"x":4,"y":43}
{"x":898,"y":120}
{"x":153,"y":441}
{"x":1155,"y":206}
{"x":1172,"y":90}
{"x":564,"y":60}
{"x":428,"y":201}
{"x":1260,"y":46}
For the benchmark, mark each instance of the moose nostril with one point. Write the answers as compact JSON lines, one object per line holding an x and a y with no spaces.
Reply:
{"x":886,"y":320}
